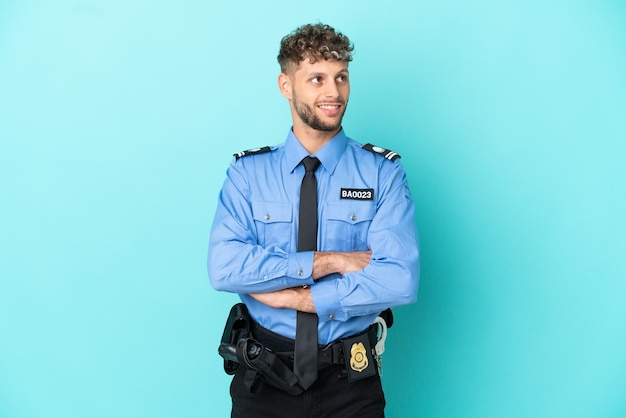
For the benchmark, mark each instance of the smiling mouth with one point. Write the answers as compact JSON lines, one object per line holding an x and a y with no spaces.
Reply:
{"x":330,"y":109}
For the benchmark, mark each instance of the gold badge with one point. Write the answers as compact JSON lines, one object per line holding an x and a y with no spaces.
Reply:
{"x":358,"y":357}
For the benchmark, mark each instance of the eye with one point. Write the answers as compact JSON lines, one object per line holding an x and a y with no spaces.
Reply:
{"x":316,"y":80}
{"x":342,"y":78}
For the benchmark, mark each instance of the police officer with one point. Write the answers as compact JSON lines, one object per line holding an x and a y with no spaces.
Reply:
{"x":365,"y":257}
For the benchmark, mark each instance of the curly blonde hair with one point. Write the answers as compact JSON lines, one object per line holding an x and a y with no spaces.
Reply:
{"x":315,"y":42}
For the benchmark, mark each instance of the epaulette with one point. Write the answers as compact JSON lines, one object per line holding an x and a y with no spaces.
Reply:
{"x":252,"y":152}
{"x":388,"y":154}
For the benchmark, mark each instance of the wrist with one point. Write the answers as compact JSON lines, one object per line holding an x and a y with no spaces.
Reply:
{"x":323,"y":264}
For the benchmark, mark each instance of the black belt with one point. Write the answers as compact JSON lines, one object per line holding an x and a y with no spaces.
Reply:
{"x":283,"y":347}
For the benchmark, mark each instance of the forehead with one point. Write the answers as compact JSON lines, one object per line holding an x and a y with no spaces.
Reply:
{"x":330,"y":67}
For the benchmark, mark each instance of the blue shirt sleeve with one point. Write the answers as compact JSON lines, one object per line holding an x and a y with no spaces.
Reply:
{"x":236,"y":263}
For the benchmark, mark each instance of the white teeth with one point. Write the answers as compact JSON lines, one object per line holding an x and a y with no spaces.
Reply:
{"x":329,"y":106}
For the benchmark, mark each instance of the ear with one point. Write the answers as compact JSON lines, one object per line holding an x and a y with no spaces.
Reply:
{"x":284,"y":85}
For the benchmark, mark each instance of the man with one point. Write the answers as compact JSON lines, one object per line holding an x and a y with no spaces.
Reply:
{"x":364,"y":256}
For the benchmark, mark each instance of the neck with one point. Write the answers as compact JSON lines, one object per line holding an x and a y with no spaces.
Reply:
{"x":312,"y":139}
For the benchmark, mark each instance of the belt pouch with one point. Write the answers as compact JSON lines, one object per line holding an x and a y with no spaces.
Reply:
{"x":237,"y":328}
{"x":272,"y":370}
{"x":359,"y":361}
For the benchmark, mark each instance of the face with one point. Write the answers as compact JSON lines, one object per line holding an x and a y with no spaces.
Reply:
{"x":319,"y":94}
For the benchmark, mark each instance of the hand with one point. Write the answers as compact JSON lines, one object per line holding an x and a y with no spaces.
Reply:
{"x":325,"y":263}
{"x":298,"y":298}
{"x":354,"y":261}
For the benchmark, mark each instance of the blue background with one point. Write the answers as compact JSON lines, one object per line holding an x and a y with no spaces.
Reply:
{"x":118,"y":120}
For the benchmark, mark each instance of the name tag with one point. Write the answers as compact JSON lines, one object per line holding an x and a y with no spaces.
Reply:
{"x":357,"y":194}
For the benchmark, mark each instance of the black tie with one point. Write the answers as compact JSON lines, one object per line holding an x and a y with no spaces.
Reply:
{"x":305,"y":351}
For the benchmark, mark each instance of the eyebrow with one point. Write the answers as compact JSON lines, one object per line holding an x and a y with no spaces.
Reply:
{"x":318,"y":73}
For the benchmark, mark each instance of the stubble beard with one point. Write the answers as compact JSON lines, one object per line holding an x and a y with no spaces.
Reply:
{"x":308,"y":116}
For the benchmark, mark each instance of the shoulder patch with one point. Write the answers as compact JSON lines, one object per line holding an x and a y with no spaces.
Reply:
{"x":251,"y":152}
{"x":387,"y":153}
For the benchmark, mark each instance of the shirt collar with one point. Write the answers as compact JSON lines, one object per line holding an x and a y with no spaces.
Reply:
{"x":329,"y":155}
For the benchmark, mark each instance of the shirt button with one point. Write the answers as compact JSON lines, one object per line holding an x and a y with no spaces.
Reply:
{"x":300,"y":272}
{"x":267,"y":217}
{"x":353,"y":218}
{"x":331,"y":316}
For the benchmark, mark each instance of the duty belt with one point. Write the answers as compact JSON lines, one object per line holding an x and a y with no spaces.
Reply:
{"x":328,"y":355}
{"x":268,"y":357}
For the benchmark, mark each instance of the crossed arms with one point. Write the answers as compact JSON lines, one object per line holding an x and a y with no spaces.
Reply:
{"x":324,"y":263}
{"x":355,"y":283}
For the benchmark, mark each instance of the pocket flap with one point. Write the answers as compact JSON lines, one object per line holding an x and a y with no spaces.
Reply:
{"x":269,"y":212}
{"x":351,"y":213}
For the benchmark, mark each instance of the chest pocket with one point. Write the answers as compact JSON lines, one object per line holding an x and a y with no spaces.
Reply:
{"x":274,"y":223}
{"x":347,"y":225}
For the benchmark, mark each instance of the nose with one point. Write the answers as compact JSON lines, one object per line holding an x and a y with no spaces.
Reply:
{"x":332,"y":90}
